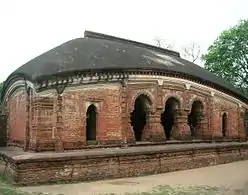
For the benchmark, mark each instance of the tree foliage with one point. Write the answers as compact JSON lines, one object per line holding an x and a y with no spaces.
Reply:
{"x":1,"y":87}
{"x":227,"y":57}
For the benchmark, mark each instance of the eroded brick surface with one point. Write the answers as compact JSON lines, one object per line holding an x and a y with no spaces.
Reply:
{"x":54,"y":128}
{"x":17,"y":119}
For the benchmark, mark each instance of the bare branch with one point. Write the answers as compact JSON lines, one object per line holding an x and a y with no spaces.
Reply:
{"x":192,"y":52}
{"x":161,"y":43}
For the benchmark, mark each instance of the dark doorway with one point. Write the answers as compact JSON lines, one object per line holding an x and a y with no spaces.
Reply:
{"x":246,"y":123}
{"x":224,"y":124}
{"x":168,"y":116}
{"x":3,"y":129}
{"x":91,"y":123}
{"x":139,"y":116}
{"x":193,"y":118}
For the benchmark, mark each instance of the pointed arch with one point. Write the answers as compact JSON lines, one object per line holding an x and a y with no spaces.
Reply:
{"x":224,"y":124}
{"x":197,"y":110}
{"x":91,"y":123}
{"x":167,"y":117}
{"x":139,"y":115}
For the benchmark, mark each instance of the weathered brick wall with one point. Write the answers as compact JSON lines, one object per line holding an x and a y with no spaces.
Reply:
{"x":106,"y":99}
{"x":17,"y":119}
{"x":122,"y":163}
{"x":114,"y":103}
{"x":222,"y":106}
{"x":43,"y":123}
{"x":112,"y":127}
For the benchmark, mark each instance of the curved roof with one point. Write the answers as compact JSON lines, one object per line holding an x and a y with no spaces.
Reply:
{"x":98,"y":51}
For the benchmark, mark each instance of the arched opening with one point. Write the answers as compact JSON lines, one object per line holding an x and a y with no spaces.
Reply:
{"x":193,"y":118}
{"x":91,"y":123}
{"x":168,"y":116}
{"x":224,"y":124}
{"x":3,"y":129}
{"x":246,"y":122}
{"x":139,"y":116}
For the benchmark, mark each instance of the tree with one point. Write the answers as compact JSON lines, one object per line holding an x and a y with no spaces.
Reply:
{"x":227,"y":57}
{"x":161,"y":43}
{"x":190,"y":52}
{"x":1,"y":87}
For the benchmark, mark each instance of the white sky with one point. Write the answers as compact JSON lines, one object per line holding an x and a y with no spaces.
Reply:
{"x":31,"y":27}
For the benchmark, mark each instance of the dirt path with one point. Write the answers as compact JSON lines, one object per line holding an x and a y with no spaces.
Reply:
{"x":233,"y":175}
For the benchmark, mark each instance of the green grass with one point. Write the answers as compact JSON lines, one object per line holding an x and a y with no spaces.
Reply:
{"x":8,"y":189}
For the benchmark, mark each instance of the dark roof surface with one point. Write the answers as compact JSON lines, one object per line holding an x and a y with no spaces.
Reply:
{"x":98,"y":51}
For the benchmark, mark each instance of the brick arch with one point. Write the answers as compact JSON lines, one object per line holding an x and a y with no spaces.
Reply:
{"x":175,"y":96}
{"x":96,"y":105}
{"x":144,"y":93}
{"x":198,"y":100}
{"x":224,"y":119}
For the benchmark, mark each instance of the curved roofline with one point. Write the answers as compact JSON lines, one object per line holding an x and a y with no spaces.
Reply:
{"x":65,"y":69}
{"x":95,"y":35}
{"x":8,"y":81}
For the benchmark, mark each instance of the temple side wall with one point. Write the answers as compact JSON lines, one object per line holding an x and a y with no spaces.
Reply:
{"x":58,"y":122}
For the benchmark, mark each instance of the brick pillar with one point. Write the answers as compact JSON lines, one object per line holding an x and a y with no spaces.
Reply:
{"x":155,"y":127}
{"x":153,"y":131}
{"x":181,"y":129}
{"x":147,"y":132}
{"x":124,"y":113}
{"x":130,"y":137}
{"x":202,"y":127}
{"x":28,"y":119}
{"x":241,"y":130}
{"x":59,"y":124}
{"x":127,"y":129}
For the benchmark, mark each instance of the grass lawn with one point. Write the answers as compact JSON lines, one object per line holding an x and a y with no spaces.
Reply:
{"x":7,"y":189}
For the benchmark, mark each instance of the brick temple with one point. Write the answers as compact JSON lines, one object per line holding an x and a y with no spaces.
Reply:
{"x":103,"y":91}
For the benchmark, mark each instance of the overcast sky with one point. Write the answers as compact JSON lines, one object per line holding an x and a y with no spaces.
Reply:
{"x":31,"y":27}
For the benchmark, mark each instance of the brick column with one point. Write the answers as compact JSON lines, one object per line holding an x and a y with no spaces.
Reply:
{"x":59,"y":124}
{"x":127,"y":129}
{"x":156,"y":128}
{"x":129,"y":133}
{"x":202,"y":127}
{"x":181,"y":129}
{"x":153,"y":131}
{"x":124,"y":113}
{"x":147,"y":131}
{"x":28,"y":119}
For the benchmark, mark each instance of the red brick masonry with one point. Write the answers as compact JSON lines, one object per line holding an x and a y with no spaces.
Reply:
{"x":31,"y":168}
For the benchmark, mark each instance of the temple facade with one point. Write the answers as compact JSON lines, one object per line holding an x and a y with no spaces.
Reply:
{"x":101,"y":91}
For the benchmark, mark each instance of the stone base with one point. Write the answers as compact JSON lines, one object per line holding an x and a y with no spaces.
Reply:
{"x":31,"y":168}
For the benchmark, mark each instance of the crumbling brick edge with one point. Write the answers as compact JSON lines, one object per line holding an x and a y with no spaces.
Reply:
{"x":80,"y":166}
